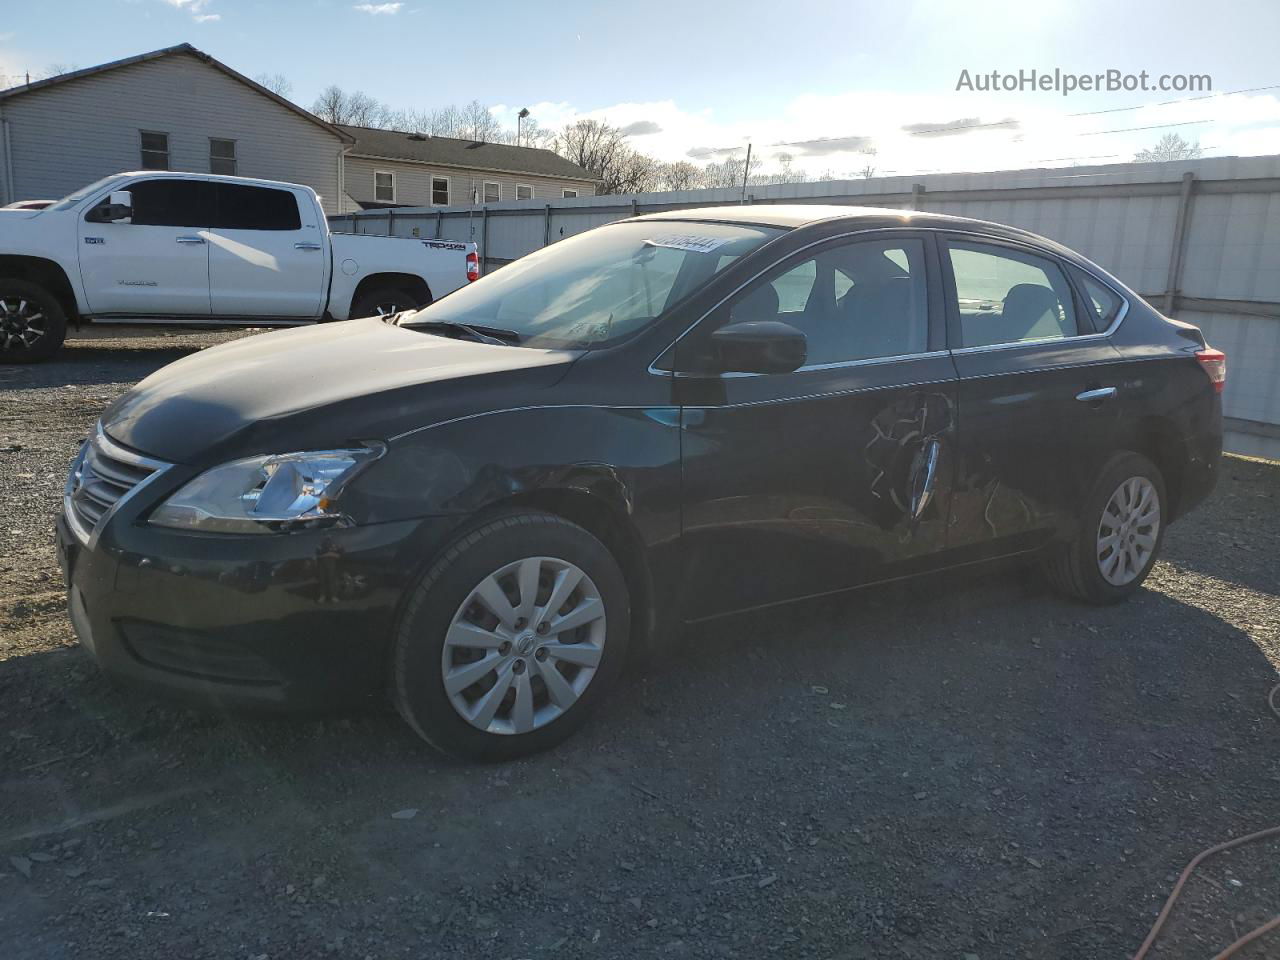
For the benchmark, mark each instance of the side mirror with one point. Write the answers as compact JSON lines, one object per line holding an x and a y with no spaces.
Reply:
{"x":117,"y":208}
{"x":758,"y":346}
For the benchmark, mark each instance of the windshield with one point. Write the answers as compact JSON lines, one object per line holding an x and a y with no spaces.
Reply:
{"x":77,"y":195}
{"x":598,"y":286}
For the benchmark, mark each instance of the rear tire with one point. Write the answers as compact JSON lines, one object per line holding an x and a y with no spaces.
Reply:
{"x":1119,"y":536}
{"x":449,"y":626}
{"x":384,"y":301}
{"x":32,"y":322}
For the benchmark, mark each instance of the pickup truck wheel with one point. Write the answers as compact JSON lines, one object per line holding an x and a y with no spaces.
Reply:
{"x":32,"y":322}
{"x":382,"y":302}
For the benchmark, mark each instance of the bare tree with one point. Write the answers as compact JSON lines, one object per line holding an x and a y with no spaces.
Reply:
{"x":55,"y":70}
{"x":680,"y":175}
{"x":1169,"y":147}
{"x":595,"y":145}
{"x":277,"y":83}
{"x":478,"y":123}
{"x":358,"y":109}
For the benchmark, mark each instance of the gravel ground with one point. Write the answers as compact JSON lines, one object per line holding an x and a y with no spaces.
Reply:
{"x":1000,"y":774}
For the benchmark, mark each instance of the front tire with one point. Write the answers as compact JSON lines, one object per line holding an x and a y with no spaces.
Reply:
{"x":32,"y":322}
{"x":1119,"y":535}
{"x":511,"y":639}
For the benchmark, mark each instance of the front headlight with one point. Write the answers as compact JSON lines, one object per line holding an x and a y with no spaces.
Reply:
{"x":265,"y":494}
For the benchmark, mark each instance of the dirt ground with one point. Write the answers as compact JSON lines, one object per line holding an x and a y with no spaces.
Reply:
{"x":962,"y":767}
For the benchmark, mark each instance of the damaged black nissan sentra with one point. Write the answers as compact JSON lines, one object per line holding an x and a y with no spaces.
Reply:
{"x":480,"y":506}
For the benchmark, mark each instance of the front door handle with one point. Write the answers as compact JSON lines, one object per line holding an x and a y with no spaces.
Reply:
{"x":190,"y":239}
{"x":1094,"y":396}
{"x":926,"y":478}
{"x":305,"y":245}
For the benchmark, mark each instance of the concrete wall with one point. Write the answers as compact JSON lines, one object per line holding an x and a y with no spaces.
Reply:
{"x":1129,"y":218}
{"x":70,"y":134}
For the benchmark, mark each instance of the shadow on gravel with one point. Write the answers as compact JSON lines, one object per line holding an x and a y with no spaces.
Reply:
{"x":956,"y":764}
{"x":88,"y":365}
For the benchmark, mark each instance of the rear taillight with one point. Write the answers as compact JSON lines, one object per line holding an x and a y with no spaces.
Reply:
{"x":473,"y":266}
{"x":1214,"y":363}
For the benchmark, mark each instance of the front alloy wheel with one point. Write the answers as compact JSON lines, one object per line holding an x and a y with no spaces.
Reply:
{"x":32,"y":322}
{"x":511,"y":638}
{"x":524,"y":645}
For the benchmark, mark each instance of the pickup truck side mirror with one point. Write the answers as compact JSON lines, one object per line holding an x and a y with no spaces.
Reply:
{"x":117,"y":208}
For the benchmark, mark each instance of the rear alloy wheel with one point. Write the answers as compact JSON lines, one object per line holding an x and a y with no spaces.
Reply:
{"x":32,"y":323}
{"x":511,"y":638}
{"x":383,"y":302}
{"x":1119,"y":536}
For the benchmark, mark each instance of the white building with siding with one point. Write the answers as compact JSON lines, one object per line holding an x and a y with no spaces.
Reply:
{"x":390,"y":168}
{"x":172,"y":109}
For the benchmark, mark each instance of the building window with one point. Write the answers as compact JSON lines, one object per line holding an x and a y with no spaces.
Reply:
{"x":492,"y":192}
{"x":384,"y":187}
{"x":569,"y":193}
{"x":222,"y":156}
{"x":155,"y":150}
{"x":524,"y":191}
{"x":440,"y":191}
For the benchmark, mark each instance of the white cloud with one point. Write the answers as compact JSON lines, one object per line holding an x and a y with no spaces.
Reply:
{"x":376,"y":9}
{"x":919,"y":133}
{"x":196,"y":9}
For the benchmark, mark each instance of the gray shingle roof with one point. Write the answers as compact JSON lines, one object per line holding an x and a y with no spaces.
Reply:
{"x":446,"y":151}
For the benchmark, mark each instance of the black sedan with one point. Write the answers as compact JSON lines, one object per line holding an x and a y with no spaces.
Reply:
{"x":481,"y":506}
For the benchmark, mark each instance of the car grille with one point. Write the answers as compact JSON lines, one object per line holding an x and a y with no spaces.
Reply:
{"x":103,"y":475}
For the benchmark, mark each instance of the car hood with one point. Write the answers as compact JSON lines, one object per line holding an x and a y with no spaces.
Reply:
{"x":320,"y":386}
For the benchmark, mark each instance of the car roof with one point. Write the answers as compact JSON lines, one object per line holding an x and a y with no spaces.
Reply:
{"x":790,"y":216}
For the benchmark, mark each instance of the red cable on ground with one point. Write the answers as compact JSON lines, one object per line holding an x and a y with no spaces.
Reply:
{"x":1203,"y":855}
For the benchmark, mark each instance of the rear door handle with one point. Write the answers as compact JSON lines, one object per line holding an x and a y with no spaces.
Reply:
{"x":191,"y":239}
{"x":305,"y":245}
{"x":1094,"y":396}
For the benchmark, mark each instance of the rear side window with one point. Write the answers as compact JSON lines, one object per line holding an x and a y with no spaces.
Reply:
{"x":1102,"y":302}
{"x":256,"y":208}
{"x":172,"y":203}
{"x":1007,"y":296}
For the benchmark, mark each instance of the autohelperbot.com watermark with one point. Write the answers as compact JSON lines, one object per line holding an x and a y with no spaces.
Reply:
{"x":1066,"y":82}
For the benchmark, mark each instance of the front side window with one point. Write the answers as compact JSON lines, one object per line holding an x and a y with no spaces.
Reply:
{"x":384,"y":187}
{"x":524,"y":191}
{"x":255,"y":208}
{"x":222,"y":157}
{"x":600,"y":286}
{"x":172,"y":203}
{"x":1006,"y":296}
{"x":155,"y":150}
{"x":492,"y":192}
{"x":440,"y":191}
{"x":853,"y":301}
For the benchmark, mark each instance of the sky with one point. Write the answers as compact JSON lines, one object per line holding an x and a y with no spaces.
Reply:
{"x":824,"y":83}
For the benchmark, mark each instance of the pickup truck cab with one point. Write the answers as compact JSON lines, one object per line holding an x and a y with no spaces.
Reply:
{"x":155,"y":246}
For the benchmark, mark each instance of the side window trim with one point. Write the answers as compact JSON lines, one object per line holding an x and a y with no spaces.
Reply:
{"x":936,"y":317}
{"x":955,"y":337}
{"x":1075,"y":273}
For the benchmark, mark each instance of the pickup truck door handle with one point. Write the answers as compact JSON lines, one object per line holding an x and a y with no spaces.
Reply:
{"x":306,"y":245}
{"x":190,"y":239}
{"x":1095,"y":396}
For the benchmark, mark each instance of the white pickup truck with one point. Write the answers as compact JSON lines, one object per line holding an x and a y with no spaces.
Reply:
{"x":195,"y":248}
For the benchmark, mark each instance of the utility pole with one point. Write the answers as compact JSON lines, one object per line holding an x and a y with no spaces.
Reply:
{"x":746,"y":169}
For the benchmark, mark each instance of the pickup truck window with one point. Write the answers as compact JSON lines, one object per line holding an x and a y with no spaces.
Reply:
{"x":172,"y":203}
{"x":597,"y":287}
{"x":255,"y":208}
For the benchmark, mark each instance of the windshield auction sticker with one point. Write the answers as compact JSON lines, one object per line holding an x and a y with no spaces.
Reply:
{"x":688,"y":242}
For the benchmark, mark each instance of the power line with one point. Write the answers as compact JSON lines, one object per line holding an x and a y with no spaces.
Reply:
{"x":1165,"y":103}
{"x":1158,"y":126}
